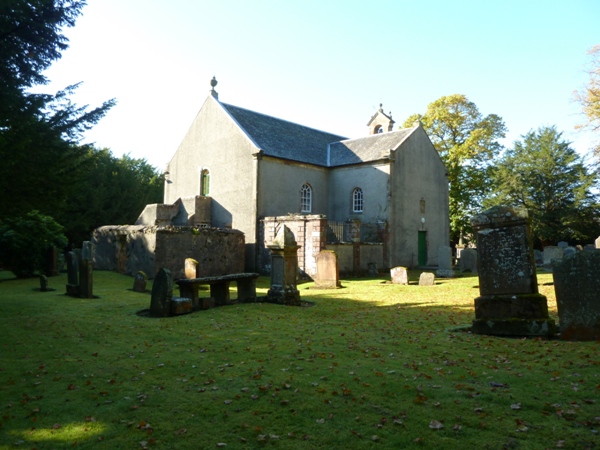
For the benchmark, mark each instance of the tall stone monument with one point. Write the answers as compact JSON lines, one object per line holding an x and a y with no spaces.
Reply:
{"x":509,"y":303}
{"x":86,"y":270}
{"x":284,"y":268}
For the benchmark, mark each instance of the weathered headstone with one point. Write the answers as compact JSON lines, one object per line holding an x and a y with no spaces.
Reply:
{"x":372,"y":269}
{"x":284,"y":268}
{"x":162,"y":291}
{"x":86,"y":279}
{"x":577,"y":284}
{"x":191,"y":268}
{"x":590,"y":248}
{"x":509,"y":302}
{"x":328,"y":274}
{"x":569,"y":251}
{"x":72,"y":274}
{"x":427,"y":279}
{"x":562,"y":244}
{"x":597,"y":242}
{"x":86,"y":270}
{"x":399,"y":275}
{"x":139,"y":281}
{"x":468,"y":260}
{"x":444,"y":262}
{"x":538,"y":256}
{"x":44,"y":283}
{"x":552,"y":253}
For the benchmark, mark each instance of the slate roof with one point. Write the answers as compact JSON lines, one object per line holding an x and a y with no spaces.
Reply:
{"x":283,"y":139}
{"x":369,"y":148}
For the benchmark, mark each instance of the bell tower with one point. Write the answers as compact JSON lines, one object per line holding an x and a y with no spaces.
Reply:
{"x":380,"y":122}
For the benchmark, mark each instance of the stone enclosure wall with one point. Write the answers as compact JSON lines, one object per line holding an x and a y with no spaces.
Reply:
{"x":129,"y":249}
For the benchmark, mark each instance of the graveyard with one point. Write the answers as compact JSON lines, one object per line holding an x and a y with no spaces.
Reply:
{"x":369,"y":364}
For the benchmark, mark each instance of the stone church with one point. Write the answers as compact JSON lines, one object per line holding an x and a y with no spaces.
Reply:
{"x":380,"y":200}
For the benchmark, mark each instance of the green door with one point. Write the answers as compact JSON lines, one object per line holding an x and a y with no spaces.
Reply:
{"x":422,"y":253}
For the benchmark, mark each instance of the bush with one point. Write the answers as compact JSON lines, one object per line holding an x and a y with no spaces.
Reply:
{"x":25,"y":242}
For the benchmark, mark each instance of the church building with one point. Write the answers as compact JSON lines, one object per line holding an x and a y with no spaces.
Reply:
{"x":383,"y":196}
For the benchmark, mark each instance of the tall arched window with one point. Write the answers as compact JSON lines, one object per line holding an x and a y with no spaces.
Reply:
{"x":357,"y":200}
{"x":306,"y":198}
{"x":204,"y":183}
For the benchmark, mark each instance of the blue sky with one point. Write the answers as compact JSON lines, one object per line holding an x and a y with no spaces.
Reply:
{"x":324,"y":64}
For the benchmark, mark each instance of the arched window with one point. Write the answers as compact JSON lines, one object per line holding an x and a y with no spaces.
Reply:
{"x":357,"y":200}
{"x":204,"y":183}
{"x":306,"y":198}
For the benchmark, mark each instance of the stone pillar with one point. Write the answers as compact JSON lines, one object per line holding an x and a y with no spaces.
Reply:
{"x":284,"y":268}
{"x":72,"y":274}
{"x":509,"y":302}
{"x":86,"y":270}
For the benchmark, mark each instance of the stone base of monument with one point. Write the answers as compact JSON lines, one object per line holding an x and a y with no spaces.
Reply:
{"x":513,"y":315}
{"x":73,"y":290}
{"x":180,"y":305}
{"x":288,"y":296}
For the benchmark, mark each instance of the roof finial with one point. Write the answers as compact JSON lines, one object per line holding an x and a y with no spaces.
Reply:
{"x":381,"y":107}
{"x":213,"y":83}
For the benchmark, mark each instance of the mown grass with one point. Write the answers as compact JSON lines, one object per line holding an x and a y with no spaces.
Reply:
{"x":369,"y":365}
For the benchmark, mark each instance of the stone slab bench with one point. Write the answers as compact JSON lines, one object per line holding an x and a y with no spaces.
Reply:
{"x":219,"y":289}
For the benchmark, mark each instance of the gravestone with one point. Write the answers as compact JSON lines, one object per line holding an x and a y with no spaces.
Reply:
{"x":597,"y":242}
{"x":538,"y":257}
{"x":86,"y":270}
{"x":444,"y":262}
{"x":589,"y":248}
{"x":44,"y":283}
{"x":72,"y":274}
{"x":562,"y":244}
{"x":552,"y":253}
{"x":191,"y":268}
{"x":139,"y":281}
{"x":284,"y":268}
{"x":577,"y":285}
{"x":569,"y":252}
{"x":509,"y":303}
{"x":427,"y":279}
{"x":162,"y":291}
{"x":328,"y":274}
{"x":372,"y":269}
{"x":399,"y":275}
{"x":468,"y":260}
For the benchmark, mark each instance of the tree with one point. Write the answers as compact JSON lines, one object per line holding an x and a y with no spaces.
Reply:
{"x":25,"y":241}
{"x":589,"y":97}
{"x":39,"y":133}
{"x":115,"y":192}
{"x":545,"y":175}
{"x":467,"y":143}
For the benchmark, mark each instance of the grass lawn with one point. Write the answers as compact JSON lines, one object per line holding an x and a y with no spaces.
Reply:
{"x":371,"y":365}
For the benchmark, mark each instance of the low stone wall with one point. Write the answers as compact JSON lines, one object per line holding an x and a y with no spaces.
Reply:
{"x":354,"y":259}
{"x":129,"y":249}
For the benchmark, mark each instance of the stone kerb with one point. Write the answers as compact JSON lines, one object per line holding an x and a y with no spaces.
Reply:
{"x":577,"y":284}
{"x":509,"y":302}
{"x":328,"y":276}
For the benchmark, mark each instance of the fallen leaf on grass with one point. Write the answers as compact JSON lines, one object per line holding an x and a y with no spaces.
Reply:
{"x":436,"y":425}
